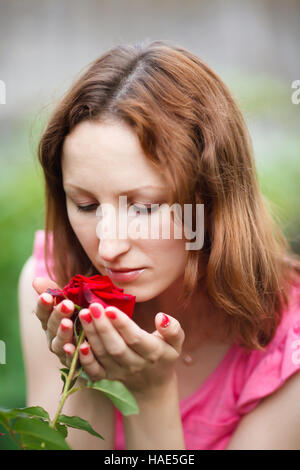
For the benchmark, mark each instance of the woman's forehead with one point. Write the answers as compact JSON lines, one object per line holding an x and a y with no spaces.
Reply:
{"x":111,"y":154}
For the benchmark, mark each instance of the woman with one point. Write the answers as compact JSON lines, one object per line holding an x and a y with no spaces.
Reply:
{"x":218,"y":369}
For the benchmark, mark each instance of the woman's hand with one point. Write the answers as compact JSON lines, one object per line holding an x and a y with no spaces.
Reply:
{"x":118,"y":349}
{"x":55,"y":320}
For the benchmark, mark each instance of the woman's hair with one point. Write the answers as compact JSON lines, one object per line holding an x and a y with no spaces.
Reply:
{"x":191,"y":129}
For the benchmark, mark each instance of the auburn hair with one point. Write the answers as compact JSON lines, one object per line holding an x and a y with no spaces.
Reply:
{"x":190,"y":127}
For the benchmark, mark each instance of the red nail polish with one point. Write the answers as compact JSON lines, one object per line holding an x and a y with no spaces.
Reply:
{"x":46,"y":299}
{"x":84,"y":348}
{"x":111,"y":315}
{"x":95,"y":310}
{"x":67,"y":349}
{"x":65,"y":309}
{"x":64,"y":327}
{"x":165,"y":322}
{"x":86,"y":317}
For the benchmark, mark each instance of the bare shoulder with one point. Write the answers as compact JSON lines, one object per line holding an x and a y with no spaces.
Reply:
{"x":26,"y":277}
{"x":274,"y":422}
{"x":27,"y":296}
{"x":27,"y":301}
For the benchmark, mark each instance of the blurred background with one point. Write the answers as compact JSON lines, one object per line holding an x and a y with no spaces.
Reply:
{"x":44,"y":45}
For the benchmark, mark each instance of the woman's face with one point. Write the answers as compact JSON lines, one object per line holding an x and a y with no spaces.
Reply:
{"x":100,"y":162}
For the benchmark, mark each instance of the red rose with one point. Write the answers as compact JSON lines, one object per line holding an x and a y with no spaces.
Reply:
{"x":85,"y":290}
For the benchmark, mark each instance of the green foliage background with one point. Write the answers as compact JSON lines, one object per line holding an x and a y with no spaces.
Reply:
{"x":274,"y":125}
{"x":21,"y":214}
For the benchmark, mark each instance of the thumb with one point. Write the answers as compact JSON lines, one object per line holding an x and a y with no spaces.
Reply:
{"x":41,"y":284}
{"x":170,"y":329}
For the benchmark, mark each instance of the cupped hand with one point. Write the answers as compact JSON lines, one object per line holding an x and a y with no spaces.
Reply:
{"x":55,"y":319}
{"x":118,"y":349}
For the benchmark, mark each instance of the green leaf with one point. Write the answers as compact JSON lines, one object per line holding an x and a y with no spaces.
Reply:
{"x":119,"y":395}
{"x":33,"y":430}
{"x":33,"y":443}
{"x":32,"y":411}
{"x":4,"y":415}
{"x":75,"y":377}
{"x":64,"y":374}
{"x":78,"y":423}
{"x":62,"y":429}
{"x":4,"y":418}
{"x":73,"y":382}
{"x":64,"y":371}
{"x":74,"y":390}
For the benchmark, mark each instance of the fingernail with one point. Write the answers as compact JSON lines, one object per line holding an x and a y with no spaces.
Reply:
{"x":46,"y":299}
{"x":86,"y":316}
{"x":165,"y":322}
{"x":95,"y":310}
{"x":66,"y":307}
{"x":63,"y":326}
{"x":110,"y":314}
{"x":84,"y":348}
{"x":67,"y":349}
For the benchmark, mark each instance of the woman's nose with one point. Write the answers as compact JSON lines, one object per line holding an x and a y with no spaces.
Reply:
{"x":111,"y":233}
{"x":109,"y":249}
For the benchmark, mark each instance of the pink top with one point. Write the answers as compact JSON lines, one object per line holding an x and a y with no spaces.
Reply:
{"x":211,"y":414}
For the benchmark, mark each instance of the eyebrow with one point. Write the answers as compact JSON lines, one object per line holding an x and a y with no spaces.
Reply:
{"x":68,"y":186}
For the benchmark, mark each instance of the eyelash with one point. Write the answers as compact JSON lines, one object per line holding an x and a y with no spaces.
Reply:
{"x":143,"y":211}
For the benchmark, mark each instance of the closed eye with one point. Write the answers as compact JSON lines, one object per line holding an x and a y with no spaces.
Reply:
{"x":147,"y":210}
{"x":85,"y":208}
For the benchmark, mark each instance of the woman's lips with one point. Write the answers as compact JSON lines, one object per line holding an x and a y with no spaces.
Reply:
{"x":124,"y":276}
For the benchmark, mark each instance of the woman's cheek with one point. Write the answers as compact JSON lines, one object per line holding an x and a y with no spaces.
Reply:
{"x":80,"y":224}
{"x":171,"y":231}
{"x":158,"y":225}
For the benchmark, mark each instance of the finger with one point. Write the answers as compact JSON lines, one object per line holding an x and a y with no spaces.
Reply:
{"x":106,"y":324}
{"x":95,"y":340}
{"x":64,"y":335}
{"x":89,"y":363}
{"x":139,"y":340}
{"x":171,"y":330}
{"x":64,"y":309}
{"x":44,"y":308}
{"x":69,"y":350}
{"x":41,"y":284}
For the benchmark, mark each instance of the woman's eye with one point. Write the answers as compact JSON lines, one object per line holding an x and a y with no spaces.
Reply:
{"x":85,"y":208}
{"x":145,"y":210}
{"x":140,"y":210}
